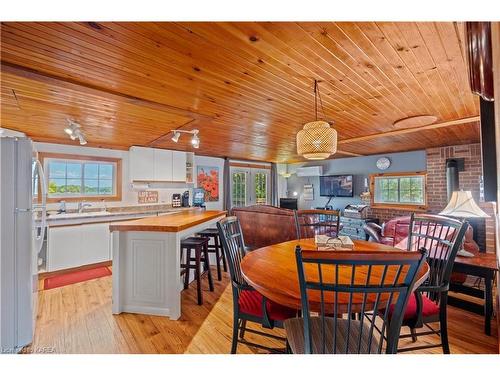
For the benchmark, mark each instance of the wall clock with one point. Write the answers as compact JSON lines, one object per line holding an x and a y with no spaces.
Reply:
{"x":383,"y":163}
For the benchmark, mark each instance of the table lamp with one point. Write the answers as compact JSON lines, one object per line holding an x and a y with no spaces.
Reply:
{"x":462,"y":205}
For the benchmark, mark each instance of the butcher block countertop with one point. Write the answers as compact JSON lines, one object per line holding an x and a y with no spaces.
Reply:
{"x":169,"y":223}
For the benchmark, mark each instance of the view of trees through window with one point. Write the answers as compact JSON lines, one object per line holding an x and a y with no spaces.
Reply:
{"x":260,"y":188}
{"x":239,"y":189}
{"x":75,"y":178}
{"x":400,"y":189}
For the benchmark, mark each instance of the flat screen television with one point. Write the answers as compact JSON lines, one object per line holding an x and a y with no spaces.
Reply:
{"x":336,"y":186}
{"x":290,"y":203}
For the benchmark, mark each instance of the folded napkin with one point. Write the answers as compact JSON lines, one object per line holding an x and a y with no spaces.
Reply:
{"x":324,"y":242}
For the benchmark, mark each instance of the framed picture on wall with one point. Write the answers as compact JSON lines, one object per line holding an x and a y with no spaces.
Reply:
{"x":208,"y":180}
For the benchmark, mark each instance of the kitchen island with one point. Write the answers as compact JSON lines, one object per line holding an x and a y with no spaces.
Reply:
{"x":146,"y":261}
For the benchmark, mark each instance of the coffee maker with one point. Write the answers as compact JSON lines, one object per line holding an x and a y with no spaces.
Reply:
{"x":185,"y":199}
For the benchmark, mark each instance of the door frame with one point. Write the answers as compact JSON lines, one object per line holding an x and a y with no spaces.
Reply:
{"x":250,"y":198}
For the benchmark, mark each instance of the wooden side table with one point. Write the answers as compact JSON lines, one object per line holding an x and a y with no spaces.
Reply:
{"x":482,"y":265}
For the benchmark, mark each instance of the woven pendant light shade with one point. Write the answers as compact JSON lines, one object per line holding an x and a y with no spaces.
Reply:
{"x":317,"y":140}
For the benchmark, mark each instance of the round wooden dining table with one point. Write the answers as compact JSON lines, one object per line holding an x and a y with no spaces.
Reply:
{"x":272,"y":271}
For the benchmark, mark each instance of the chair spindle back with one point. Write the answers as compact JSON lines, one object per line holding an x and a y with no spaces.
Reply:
{"x":376,"y":282}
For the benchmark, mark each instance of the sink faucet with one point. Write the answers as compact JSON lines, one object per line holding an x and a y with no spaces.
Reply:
{"x":82,"y":205}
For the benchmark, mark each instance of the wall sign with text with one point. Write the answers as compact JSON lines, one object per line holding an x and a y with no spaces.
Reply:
{"x":147,"y":196}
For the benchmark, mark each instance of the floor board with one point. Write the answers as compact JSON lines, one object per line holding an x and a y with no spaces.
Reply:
{"x":77,"y":319}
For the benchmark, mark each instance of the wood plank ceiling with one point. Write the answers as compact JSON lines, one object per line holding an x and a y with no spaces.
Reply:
{"x":246,"y":86}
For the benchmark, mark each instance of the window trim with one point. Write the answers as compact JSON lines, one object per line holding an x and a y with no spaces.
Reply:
{"x":42,"y":156}
{"x":398,"y":206}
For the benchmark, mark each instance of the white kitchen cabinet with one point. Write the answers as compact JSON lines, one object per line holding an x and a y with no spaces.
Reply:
{"x":142,"y":166}
{"x":64,"y":247}
{"x":77,"y":245}
{"x":162,"y":165}
{"x":95,"y":243}
{"x":179,"y":159}
{"x":154,"y":164}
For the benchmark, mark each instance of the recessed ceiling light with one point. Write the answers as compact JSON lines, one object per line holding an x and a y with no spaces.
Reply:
{"x":414,"y":121}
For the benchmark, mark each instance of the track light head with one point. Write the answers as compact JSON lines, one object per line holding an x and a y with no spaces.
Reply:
{"x":195,"y":141}
{"x":82,"y":139}
{"x":176,"y":136}
{"x":74,"y":132}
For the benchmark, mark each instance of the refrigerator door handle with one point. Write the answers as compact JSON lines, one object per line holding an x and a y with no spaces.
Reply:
{"x":40,"y":234}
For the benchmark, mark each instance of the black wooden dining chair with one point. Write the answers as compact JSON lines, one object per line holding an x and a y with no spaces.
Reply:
{"x":387,"y":278}
{"x":442,"y":237}
{"x":248,"y":304}
{"x":313,"y":222}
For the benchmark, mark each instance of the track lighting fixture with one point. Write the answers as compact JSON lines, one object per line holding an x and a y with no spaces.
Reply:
{"x":74,"y":131}
{"x":195,"y":140}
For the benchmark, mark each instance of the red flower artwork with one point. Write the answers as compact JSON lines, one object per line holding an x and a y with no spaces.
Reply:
{"x":208,"y":180}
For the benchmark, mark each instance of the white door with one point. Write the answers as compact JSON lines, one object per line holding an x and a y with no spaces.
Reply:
{"x":239,"y":187}
{"x":250,"y":186}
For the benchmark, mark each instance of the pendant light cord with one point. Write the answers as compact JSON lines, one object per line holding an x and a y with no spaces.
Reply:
{"x":316,"y":96}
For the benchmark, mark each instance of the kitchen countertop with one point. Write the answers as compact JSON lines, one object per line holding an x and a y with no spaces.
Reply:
{"x":101,"y":214}
{"x":175,"y":222}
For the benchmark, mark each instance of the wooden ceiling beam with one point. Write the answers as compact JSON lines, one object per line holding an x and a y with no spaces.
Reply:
{"x":442,"y":124}
{"x":69,"y":84}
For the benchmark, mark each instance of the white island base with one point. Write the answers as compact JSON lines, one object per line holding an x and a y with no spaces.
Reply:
{"x":146,"y":269}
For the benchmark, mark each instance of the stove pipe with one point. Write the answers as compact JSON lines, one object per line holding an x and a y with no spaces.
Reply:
{"x":452,"y":181}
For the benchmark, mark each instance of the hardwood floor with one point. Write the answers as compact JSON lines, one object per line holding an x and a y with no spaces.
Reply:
{"x":77,"y":319}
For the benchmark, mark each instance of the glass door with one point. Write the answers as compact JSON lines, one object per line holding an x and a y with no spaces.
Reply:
{"x":249,"y":186}
{"x":239,"y":189}
{"x":260,"y":186}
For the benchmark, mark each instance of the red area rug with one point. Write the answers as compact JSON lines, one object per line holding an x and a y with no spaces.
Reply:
{"x":75,"y":277}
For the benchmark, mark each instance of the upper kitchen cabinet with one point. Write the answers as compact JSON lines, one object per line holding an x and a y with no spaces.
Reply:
{"x":162,"y":165}
{"x":141,"y":161}
{"x":179,"y":160}
{"x":152,"y":164}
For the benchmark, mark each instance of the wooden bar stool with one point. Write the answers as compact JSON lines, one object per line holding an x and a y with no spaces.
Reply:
{"x":200,"y":247}
{"x":216,"y":248}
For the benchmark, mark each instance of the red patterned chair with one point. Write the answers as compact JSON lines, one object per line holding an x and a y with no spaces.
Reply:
{"x":395,"y":233}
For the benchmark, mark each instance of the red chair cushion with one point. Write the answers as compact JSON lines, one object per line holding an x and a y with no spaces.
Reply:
{"x":429,"y":308}
{"x":250,"y":302}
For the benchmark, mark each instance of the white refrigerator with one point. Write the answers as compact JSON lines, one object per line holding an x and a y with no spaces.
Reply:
{"x":22,"y":231}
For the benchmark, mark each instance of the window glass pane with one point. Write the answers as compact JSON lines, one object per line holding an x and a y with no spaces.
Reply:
{"x":81,"y":178}
{"x":106,"y":171}
{"x":73,"y":186}
{"x":74,"y":170}
{"x":393,"y":183}
{"x":91,"y":171}
{"x":393,"y":196}
{"x":239,"y":189}
{"x":260,"y":188}
{"x":105,"y":187}
{"x":57,"y":186}
{"x":404,"y":189}
{"x":57,"y":169}
{"x":91,"y":187}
